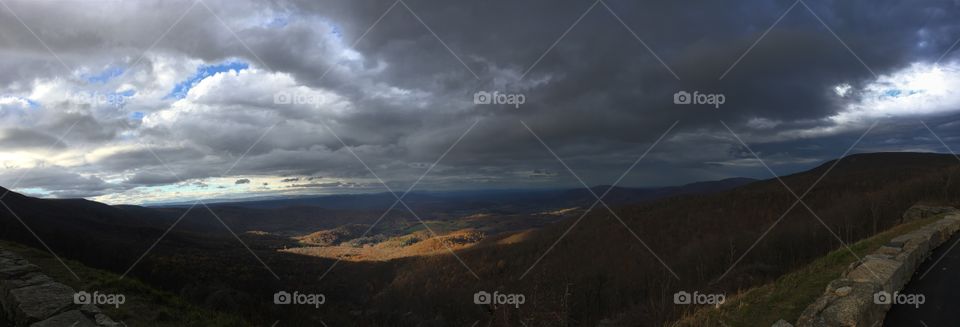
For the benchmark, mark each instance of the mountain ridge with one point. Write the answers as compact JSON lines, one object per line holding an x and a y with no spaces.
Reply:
{"x":696,"y":235}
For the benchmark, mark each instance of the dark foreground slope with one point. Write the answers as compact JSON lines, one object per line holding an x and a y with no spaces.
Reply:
{"x":599,"y":270}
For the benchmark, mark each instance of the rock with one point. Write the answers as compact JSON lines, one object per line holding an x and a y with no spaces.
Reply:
{"x":876,"y":255}
{"x":916,"y":241}
{"x":36,"y":303}
{"x":912,"y":239}
{"x":6,"y":262}
{"x":849,"y":301}
{"x":943,"y":230}
{"x":103,"y":320}
{"x":843,"y":291}
{"x":782,"y":323}
{"x":6,"y":286}
{"x":920,"y":211}
{"x":953,"y":219}
{"x":90,"y":309}
{"x":29,"y":279}
{"x":883,"y":271}
{"x":30,"y":298}
{"x":9,"y":255}
{"x":9,"y":272}
{"x":856,"y":306}
{"x":70,"y":318}
{"x":889,"y":250}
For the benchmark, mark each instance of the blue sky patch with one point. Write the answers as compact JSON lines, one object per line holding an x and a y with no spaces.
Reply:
{"x":119,"y":99}
{"x":104,"y":76}
{"x":335,"y":30}
{"x":278,"y":22}
{"x":180,"y":90}
{"x":30,"y":103}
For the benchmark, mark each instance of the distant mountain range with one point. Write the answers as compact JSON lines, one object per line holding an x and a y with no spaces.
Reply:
{"x":528,"y":199}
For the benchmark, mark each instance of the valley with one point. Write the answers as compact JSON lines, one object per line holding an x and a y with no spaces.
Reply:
{"x":369,"y":279}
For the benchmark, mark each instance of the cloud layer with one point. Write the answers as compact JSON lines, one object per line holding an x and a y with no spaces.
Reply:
{"x":148,"y":101}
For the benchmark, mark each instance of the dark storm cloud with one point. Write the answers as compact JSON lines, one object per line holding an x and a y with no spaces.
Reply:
{"x":62,"y":182}
{"x":84,"y":127}
{"x":400,"y":98}
{"x":605,"y":85}
{"x":18,"y":138}
{"x":149,"y":156}
{"x":599,"y":64}
{"x":242,"y":181}
{"x":150,"y":178}
{"x":606,"y":90}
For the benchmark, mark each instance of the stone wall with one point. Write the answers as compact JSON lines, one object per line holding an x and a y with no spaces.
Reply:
{"x":30,"y":298}
{"x":920,"y":211}
{"x":849,"y":300}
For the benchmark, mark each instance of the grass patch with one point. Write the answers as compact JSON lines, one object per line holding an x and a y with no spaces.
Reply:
{"x":787,"y":297}
{"x":145,"y":305}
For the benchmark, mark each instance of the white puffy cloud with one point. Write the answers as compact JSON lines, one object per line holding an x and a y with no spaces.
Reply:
{"x":921,"y":89}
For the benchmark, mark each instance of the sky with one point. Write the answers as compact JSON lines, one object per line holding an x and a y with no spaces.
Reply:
{"x":158,"y":101}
